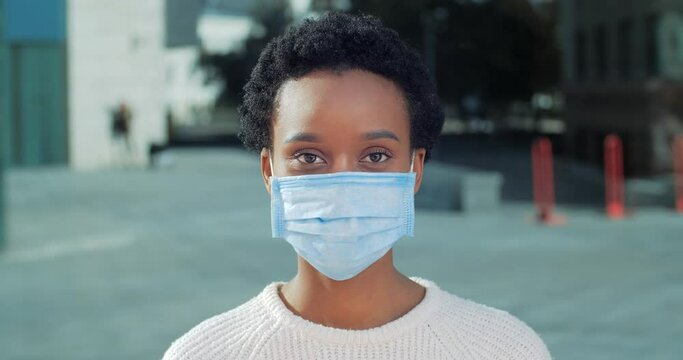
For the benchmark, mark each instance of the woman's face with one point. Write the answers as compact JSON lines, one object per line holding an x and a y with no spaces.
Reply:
{"x":328,"y":122}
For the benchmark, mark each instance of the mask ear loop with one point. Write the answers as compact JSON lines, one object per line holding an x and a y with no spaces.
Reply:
{"x":270,"y":160}
{"x":412,"y":161}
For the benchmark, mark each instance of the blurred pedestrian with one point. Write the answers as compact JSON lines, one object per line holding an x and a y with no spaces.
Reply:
{"x":121,"y":124}
{"x":345,"y":115}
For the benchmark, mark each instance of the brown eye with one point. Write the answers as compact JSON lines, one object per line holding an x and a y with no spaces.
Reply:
{"x":308,"y":158}
{"x":376,"y":157}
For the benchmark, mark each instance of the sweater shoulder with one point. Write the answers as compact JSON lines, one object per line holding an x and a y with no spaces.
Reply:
{"x":487,"y":332}
{"x":230,"y":335}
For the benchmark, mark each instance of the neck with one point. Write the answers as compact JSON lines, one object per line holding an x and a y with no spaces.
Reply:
{"x":374,"y":297}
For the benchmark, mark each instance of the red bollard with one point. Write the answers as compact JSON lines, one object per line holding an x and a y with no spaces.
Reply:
{"x":678,"y":172}
{"x":543,"y":182}
{"x":614,"y":177}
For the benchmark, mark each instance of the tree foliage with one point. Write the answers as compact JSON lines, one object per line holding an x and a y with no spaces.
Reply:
{"x":233,"y":69}
{"x":497,"y":50}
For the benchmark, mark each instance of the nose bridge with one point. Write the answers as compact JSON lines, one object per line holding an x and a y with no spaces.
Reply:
{"x":344,"y":162}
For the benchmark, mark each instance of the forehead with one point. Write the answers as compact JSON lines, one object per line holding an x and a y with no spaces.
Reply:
{"x":351,"y":100}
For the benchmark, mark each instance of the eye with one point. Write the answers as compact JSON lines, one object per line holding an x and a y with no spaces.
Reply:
{"x":308,"y":158}
{"x":376,"y":157}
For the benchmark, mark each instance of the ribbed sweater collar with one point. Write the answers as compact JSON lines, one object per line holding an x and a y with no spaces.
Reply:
{"x":420,"y":315}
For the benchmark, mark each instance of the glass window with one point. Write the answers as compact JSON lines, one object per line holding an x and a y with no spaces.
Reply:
{"x":624,"y":40}
{"x":600,"y":52}
{"x":651,"y":55}
{"x":580,"y":54}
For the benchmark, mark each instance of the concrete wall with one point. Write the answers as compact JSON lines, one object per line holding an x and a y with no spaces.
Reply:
{"x":115,"y":51}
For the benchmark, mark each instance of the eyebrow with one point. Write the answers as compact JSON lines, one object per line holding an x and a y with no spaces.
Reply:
{"x":372,"y":135}
{"x":307,"y":137}
{"x":381,"y":134}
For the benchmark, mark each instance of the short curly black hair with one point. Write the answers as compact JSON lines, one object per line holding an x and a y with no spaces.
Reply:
{"x":338,"y":41}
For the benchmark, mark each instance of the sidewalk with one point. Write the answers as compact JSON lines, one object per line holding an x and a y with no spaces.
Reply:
{"x":117,"y":264}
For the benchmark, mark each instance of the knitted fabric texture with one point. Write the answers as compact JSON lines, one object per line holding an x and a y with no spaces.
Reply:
{"x":441,"y":326}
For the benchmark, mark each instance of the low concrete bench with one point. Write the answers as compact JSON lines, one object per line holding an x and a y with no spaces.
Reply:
{"x":654,"y":192}
{"x":448,"y":187}
{"x":2,"y":206}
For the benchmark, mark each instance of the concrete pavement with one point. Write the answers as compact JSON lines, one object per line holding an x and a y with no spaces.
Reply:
{"x":116,"y":264}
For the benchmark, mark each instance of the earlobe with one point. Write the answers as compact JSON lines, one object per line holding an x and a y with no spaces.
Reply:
{"x":266,"y":169}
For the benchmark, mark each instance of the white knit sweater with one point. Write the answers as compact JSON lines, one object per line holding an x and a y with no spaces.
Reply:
{"x":441,"y":326}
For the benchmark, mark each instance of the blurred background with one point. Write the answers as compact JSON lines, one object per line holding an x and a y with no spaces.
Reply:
{"x":129,"y":211}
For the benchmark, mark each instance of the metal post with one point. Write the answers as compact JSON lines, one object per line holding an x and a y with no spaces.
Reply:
{"x":678,"y":172}
{"x":544,"y":182}
{"x":544,"y":187}
{"x":614,"y":177}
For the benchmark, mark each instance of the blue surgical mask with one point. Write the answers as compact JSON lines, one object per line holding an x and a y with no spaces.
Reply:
{"x":341,"y":223}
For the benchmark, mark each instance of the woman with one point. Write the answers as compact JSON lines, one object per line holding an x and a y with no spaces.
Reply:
{"x":345,"y":116}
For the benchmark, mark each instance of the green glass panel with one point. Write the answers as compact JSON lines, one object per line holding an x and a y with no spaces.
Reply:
{"x":40,"y":107}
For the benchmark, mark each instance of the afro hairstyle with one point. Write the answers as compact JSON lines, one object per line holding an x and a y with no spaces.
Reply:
{"x":336,"y":42}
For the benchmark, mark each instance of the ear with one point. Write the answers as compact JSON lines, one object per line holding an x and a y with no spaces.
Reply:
{"x":266,"y":170}
{"x":418,"y":167}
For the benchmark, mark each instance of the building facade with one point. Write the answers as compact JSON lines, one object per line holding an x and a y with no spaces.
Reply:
{"x":33,"y":82}
{"x":66,"y":66}
{"x":622,"y":65}
{"x":116,"y":55}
